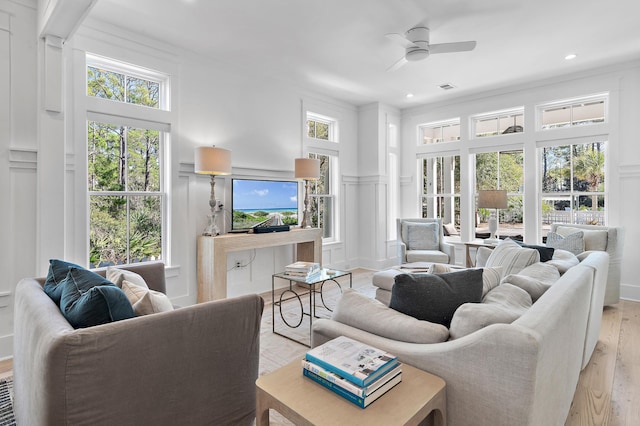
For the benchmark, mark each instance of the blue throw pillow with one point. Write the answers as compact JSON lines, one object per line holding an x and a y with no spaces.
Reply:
{"x":58,"y":270}
{"x":88,"y":299}
{"x":435,"y":297}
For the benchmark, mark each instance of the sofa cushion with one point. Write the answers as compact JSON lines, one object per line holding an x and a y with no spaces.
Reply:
{"x":58,"y":270}
{"x":563,"y":260}
{"x":511,"y":257}
{"x":594,"y":239}
{"x":145,"y":301}
{"x":118,"y":276}
{"x":572,"y":242}
{"x":502,"y":305}
{"x":435,"y":297}
{"x":360,"y":311}
{"x":88,"y":299}
{"x":546,"y":253}
{"x":432,"y":255}
{"x":421,"y":236}
{"x":482,"y":255}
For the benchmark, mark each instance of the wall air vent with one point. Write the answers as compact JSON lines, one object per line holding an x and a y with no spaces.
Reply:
{"x":447,"y":86}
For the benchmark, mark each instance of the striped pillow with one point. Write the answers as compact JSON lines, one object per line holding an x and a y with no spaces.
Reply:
{"x":511,"y":257}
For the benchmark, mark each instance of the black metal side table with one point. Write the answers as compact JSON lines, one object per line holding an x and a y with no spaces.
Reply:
{"x":314,"y":286}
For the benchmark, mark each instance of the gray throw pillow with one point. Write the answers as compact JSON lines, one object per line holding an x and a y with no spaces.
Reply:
{"x":572,"y":242}
{"x":421,"y":236}
{"x":563,"y":260}
{"x":364,"y":313}
{"x":435,"y":297}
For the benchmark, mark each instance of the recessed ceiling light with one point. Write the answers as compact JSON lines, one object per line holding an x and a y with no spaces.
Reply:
{"x":570,"y":56}
{"x":409,"y":95}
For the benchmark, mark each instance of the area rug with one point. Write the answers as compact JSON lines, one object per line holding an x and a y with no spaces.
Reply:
{"x":6,"y":402}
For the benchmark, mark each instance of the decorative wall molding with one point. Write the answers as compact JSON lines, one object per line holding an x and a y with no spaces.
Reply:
{"x":630,"y":171}
{"x":365,"y":180}
{"x":23,"y":158}
{"x":406,"y":180}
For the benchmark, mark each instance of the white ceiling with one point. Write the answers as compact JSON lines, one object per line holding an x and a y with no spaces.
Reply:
{"x":339,"y":48}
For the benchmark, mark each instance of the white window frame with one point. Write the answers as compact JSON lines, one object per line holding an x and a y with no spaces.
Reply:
{"x":441,"y":125}
{"x":330,"y":148}
{"x":132,"y":115}
{"x":475,"y":119}
{"x":571,"y":103}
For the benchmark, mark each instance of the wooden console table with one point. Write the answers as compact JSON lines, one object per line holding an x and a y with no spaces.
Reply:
{"x":212,"y":255}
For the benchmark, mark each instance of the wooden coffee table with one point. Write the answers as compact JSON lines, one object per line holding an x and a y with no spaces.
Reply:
{"x":305,"y":402}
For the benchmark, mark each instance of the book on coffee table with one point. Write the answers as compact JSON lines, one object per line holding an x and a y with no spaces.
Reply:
{"x":354,"y":361}
{"x":361,"y":401}
{"x":346,"y":384}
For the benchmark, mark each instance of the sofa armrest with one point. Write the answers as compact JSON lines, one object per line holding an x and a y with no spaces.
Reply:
{"x":194,"y":365}
{"x":402,"y":251}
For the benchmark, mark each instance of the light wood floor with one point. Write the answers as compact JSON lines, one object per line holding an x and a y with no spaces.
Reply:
{"x":608,"y":392}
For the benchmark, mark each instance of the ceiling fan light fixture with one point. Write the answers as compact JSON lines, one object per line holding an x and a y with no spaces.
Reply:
{"x":416,"y":54}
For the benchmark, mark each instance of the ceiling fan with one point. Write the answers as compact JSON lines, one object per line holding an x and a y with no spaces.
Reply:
{"x":416,"y":42}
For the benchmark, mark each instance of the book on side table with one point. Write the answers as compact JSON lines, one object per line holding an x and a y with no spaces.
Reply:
{"x":358,"y":372}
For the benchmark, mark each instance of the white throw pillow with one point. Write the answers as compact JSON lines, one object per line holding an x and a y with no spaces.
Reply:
{"x":364,"y":313}
{"x":502,"y":305}
{"x":511,"y":257}
{"x":563,"y":260}
{"x":421,"y":236}
{"x":118,"y":275}
{"x":145,"y":301}
{"x":594,"y":239}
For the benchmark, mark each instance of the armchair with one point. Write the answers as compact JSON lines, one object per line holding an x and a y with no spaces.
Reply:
{"x":422,"y":240}
{"x":192,"y":365}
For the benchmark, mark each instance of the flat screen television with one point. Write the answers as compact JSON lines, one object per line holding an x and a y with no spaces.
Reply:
{"x":254,"y":201}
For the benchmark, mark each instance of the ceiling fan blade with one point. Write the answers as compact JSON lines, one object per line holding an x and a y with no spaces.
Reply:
{"x":398,"y":64}
{"x":461,"y":46}
{"x":401,"y":40}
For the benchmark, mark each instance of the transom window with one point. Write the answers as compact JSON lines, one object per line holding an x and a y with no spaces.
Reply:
{"x":579,"y":112}
{"x":322,"y":128}
{"x":446,"y":131}
{"x":498,"y":123}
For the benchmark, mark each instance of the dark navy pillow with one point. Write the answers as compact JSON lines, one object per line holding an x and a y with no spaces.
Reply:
{"x":58,"y":270}
{"x":435,"y":297}
{"x":546,"y":253}
{"x":88,"y":299}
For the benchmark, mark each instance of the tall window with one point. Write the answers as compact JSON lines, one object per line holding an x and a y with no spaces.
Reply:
{"x":124,"y":168}
{"x":499,"y":123}
{"x":321,"y":141}
{"x":502,"y":170}
{"x":441,"y":188}
{"x":573,"y":181}
{"x":321,"y":197}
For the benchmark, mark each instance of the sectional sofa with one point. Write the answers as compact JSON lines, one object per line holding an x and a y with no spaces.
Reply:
{"x":519,"y":373}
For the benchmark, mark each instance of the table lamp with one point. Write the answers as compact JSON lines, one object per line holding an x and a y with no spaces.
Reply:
{"x":492,"y":199}
{"x":307,"y":169}
{"x":210,"y":160}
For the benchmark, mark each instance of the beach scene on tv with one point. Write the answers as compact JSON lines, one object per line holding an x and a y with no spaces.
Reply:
{"x":264,"y":202}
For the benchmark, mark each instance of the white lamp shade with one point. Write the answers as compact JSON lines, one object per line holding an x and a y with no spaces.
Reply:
{"x":212,"y":161}
{"x":492,"y":199}
{"x":307,"y":168}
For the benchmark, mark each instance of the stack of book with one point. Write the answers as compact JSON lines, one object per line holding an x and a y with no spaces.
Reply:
{"x":302,"y":269}
{"x":358,"y":372}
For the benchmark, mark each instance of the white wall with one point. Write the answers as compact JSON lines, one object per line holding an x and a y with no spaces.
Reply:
{"x":623,"y":151}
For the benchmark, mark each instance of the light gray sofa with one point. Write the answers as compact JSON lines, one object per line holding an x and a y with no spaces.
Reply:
{"x":612,"y":244}
{"x":523,"y":373}
{"x":194,"y":365}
